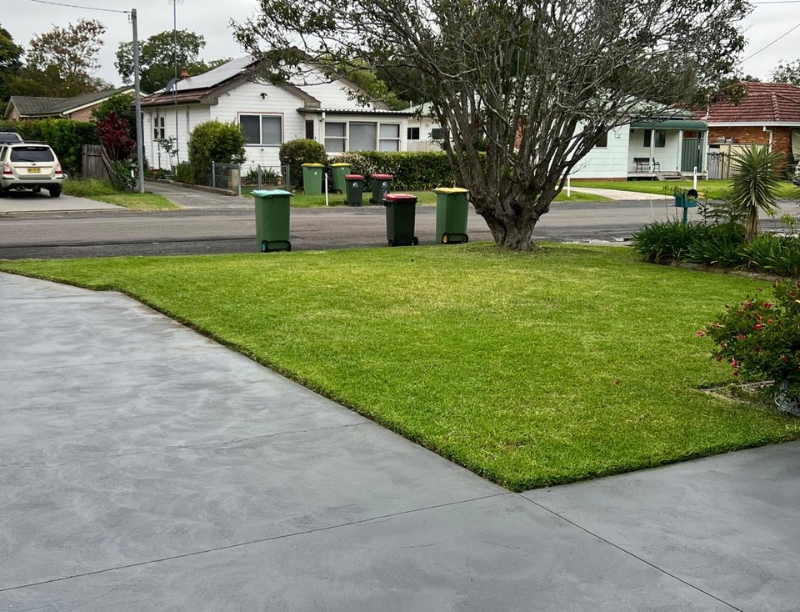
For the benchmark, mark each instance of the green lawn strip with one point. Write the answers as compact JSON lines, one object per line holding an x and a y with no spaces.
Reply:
{"x":138,"y":201}
{"x":712,"y":189}
{"x":300,"y":200}
{"x":103,"y":191}
{"x":530,"y":369}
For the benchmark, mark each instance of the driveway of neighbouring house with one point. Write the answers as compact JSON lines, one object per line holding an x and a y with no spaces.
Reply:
{"x":144,"y":467}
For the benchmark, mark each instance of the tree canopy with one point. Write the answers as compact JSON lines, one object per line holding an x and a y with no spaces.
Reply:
{"x":10,"y":62}
{"x":160,"y":55}
{"x":787,"y":72}
{"x":70,"y":53}
{"x":539,"y":81}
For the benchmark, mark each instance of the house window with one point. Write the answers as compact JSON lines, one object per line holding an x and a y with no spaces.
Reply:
{"x":363,"y":136}
{"x":335,"y":137}
{"x":310,"y":129}
{"x":265,"y":130}
{"x":412,"y":133}
{"x":436,"y":134}
{"x":390,"y":137}
{"x":603,"y":142}
{"x":661,"y":138}
{"x":159,"y":132}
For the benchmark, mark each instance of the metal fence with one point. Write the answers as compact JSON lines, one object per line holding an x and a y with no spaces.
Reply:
{"x":226,"y":176}
{"x":261,"y":177}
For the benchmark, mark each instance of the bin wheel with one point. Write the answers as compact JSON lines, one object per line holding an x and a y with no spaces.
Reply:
{"x":264,"y":246}
{"x":466,"y":238}
{"x":288,"y":246}
{"x":445,"y":238}
{"x":415,"y":241}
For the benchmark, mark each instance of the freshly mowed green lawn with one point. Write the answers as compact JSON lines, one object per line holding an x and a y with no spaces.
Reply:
{"x":712,"y":189}
{"x":300,"y":200}
{"x":530,"y":369}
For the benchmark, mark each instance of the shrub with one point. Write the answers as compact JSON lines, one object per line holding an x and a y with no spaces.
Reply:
{"x":184,"y":173}
{"x":115,"y":137}
{"x":776,"y":254}
{"x":761,"y":339}
{"x":412,"y":171}
{"x":755,"y":185}
{"x":661,"y":242}
{"x":718,"y":245}
{"x":295,"y":153}
{"x":214,"y":141}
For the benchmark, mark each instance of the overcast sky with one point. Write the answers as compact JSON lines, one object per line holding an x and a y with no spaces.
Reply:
{"x":211,"y":19}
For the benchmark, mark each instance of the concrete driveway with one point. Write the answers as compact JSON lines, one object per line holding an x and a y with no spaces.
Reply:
{"x":144,"y":467}
{"x":28,"y":202}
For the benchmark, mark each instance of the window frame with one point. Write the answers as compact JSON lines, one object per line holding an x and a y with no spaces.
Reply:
{"x":648,"y":135}
{"x":261,"y":116}
{"x":381,"y":139}
{"x":603,"y":142}
{"x":344,"y":139}
{"x":410,"y":133}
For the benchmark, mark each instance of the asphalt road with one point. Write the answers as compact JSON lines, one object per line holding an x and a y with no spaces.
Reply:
{"x":213,"y":224}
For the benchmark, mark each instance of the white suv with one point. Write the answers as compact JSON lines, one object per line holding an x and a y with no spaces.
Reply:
{"x":29,"y":165}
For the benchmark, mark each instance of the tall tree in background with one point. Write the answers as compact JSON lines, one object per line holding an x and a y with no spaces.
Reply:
{"x":787,"y":72}
{"x":10,"y":62}
{"x":70,"y":54}
{"x":159,"y":56}
{"x":552,"y":76}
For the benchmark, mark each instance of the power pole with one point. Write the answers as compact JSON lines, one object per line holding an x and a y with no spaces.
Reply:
{"x":138,"y":96}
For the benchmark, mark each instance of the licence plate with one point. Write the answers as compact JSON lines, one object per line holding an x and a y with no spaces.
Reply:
{"x":34,"y":170}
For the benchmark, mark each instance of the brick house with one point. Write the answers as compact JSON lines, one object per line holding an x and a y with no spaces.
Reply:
{"x":79,"y":107}
{"x":768,"y":115}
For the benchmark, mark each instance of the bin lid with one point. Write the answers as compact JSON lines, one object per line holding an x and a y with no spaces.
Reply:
{"x":313,"y":165}
{"x":382,"y":177}
{"x":340,"y":165}
{"x":450,"y":190}
{"x":269,"y":193}
{"x":354,"y":177}
{"x":399,"y":197}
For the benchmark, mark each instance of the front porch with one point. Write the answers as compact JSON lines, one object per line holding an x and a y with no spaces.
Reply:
{"x":667,"y":150}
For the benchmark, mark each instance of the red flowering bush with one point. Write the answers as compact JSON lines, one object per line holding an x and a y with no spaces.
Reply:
{"x":761,"y":338}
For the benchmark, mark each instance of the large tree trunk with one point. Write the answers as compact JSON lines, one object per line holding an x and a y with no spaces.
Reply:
{"x":513,"y":231}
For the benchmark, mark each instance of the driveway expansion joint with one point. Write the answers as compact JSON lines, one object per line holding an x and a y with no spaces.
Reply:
{"x":631,"y":554}
{"x":252,"y":542}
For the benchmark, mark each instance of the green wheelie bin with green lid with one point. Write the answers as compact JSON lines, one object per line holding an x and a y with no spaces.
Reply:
{"x":381,"y":185}
{"x":272,"y":220}
{"x":354,"y":190}
{"x":312,"y":179}
{"x":339,"y":174}
{"x":452,"y":210}
{"x":401,"y":210}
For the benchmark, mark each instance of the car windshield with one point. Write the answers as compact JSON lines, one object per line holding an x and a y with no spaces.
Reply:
{"x":31,"y":154}
{"x":9,"y":137}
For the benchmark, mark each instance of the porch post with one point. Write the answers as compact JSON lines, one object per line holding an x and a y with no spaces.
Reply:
{"x":652,"y":148}
{"x":679,"y":167}
{"x":703,"y":151}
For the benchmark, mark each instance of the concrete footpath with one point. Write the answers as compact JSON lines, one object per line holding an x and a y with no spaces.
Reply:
{"x":144,"y":467}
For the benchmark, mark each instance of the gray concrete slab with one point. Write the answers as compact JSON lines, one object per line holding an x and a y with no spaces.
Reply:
{"x":726,"y":524}
{"x":26,"y":202}
{"x":498,"y":554}
{"x":145,"y":467}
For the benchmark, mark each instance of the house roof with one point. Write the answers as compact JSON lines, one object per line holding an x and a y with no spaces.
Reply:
{"x":357,"y":111}
{"x":764,"y":102}
{"x":84,"y":100}
{"x":29,"y":106}
{"x":203,"y":88}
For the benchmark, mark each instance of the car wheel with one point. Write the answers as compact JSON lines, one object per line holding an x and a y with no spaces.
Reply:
{"x":55,"y":192}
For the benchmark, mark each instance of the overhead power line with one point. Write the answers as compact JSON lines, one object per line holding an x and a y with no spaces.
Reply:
{"x":85,"y":8}
{"x":772,"y":43}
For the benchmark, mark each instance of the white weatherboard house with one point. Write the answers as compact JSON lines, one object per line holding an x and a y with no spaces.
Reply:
{"x":269,"y":115}
{"x":648,"y":150}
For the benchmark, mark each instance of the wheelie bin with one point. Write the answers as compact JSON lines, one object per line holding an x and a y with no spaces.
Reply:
{"x":339,"y":174}
{"x":401,"y":209}
{"x":381,"y":185}
{"x":354,"y":190}
{"x":272,"y":220}
{"x":312,"y":179}
{"x":452,"y":210}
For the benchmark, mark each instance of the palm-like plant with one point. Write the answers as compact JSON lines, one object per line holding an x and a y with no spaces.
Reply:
{"x":755,"y":185}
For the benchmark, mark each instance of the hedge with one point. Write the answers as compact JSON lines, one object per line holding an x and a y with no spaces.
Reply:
{"x":411,"y":171}
{"x":65,"y":136}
